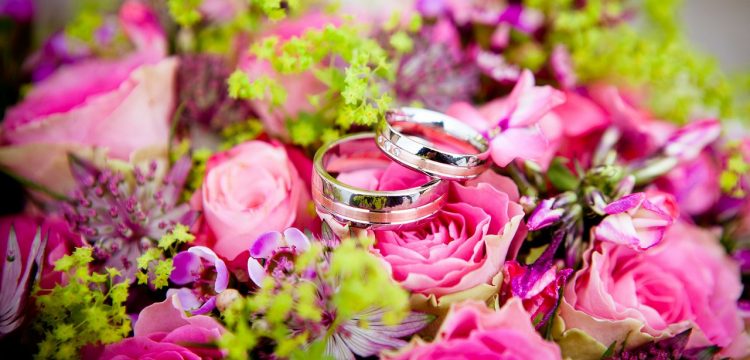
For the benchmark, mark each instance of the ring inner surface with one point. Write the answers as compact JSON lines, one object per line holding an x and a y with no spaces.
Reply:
{"x":359,"y":155}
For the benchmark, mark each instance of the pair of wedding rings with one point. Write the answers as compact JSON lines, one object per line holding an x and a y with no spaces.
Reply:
{"x":442,"y":147}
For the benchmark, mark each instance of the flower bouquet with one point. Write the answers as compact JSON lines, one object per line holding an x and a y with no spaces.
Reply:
{"x":265,"y":179}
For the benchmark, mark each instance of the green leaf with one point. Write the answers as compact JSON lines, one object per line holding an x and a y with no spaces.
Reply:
{"x":561,"y":177}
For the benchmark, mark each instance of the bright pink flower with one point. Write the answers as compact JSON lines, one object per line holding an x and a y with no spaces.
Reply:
{"x":163,"y":332}
{"x":512,"y":122}
{"x":249,"y":190}
{"x":538,"y":290}
{"x":299,"y":87}
{"x":120,"y":105}
{"x":687,"y":142}
{"x":637,"y":220}
{"x":685,"y":281}
{"x":473,"y":331}
{"x":464,"y":245}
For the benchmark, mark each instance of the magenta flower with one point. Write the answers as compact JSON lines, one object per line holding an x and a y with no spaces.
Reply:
{"x":687,"y":143}
{"x":206,"y":274}
{"x":274,"y":252}
{"x":637,"y":220}
{"x":512,"y":123}
{"x":545,"y":214}
{"x":538,"y":287}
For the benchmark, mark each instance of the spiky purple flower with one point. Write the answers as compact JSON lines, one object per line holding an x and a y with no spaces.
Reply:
{"x":122,"y":216}
{"x":438,"y":72}
{"x":202,"y":88}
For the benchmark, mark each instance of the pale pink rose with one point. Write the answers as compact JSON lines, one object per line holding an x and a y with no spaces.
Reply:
{"x":512,"y":123}
{"x":164,"y":332}
{"x":473,"y":331}
{"x":637,"y":220}
{"x":121,"y":105}
{"x":248,"y":190}
{"x":299,"y":87}
{"x":686,"y":281}
{"x":464,"y":245}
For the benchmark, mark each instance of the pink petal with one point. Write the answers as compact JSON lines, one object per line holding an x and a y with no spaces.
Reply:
{"x":518,"y":143}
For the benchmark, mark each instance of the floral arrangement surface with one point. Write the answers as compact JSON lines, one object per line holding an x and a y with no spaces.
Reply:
{"x":428,"y":179}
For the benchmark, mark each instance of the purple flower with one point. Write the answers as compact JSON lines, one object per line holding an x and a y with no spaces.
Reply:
{"x":56,"y":51}
{"x":438,"y":71}
{"x":670,"y":348}
{"x":202,"y":89}
{"x":19,"y":10}
{"x":638,"y":220}
{"x":16,"y":274}
{"x":545,"y":215}
{"x":274,"y":252}
{"x":120,"y":218}
{"x":207,"y":274}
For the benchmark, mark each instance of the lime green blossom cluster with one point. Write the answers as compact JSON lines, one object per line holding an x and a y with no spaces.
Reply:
{"x":89,"y":309}
{"x":355,"y":94}
{"x":155,"y":265}
{"x":731,"y":178}
{"x":185,"y":12}
{"x":680,"y":82}
{"x":274,"y":312}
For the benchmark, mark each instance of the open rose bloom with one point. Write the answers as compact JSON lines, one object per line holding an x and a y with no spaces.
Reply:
{"x":234,"y":179}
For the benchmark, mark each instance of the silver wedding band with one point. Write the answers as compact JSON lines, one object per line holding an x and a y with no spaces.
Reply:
{"x":426,"y":141}
{"x":410,"y":136}
{"x":382,"y":210}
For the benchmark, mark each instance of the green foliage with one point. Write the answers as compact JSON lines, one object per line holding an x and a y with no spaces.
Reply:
{"x":185,"y":12}
{"x":287,"y":311}
{"x":89,"y":309}
{"x":354,"y":93}
{"x":238,"y":133}
{"x":731,"y":177}
{"x":155,"y":265}
{"x":680,"y":82}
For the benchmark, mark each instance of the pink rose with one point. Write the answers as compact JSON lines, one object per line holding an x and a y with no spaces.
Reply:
{"x":163,"y":332}
{"x":686,"y":281}
{"x":463,"y":247}
{"x":299,"y":87}
{"x":637,"y":220}
{"x":248,"y":190}
{"x":512,"y":122}
{"x":473,"y":331}
{"x":119,"y":105}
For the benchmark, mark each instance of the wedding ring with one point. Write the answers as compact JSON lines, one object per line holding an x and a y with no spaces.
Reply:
{"x":382,"y":210}
{"x":433,"y":143}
